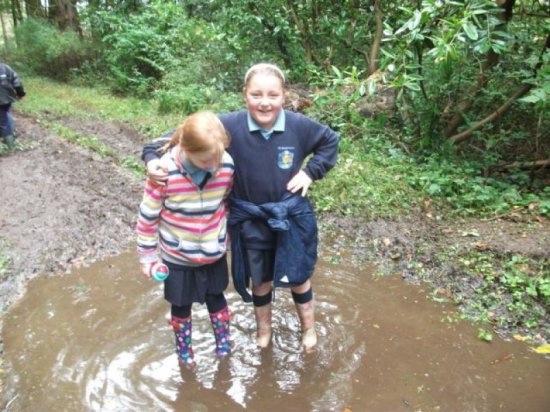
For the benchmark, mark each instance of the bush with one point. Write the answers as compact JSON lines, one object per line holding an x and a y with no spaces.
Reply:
{"x":45,"y":51}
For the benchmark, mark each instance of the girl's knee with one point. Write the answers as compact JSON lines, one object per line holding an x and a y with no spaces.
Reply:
{"x":304,"y":287}
{"x":262,"y":289}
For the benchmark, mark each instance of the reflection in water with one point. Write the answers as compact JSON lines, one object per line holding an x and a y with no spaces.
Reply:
{"x":97,"y":340}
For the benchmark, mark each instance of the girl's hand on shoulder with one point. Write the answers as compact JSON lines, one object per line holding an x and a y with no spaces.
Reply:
{"x":157,"y":171}
{"x":300,"y":182}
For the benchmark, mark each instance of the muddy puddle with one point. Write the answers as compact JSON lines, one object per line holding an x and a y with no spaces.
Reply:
{"x":97,"y":340}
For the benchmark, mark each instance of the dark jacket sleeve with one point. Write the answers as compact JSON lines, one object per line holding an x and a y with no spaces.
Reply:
{"x":151,"y":150}
{"x":18,"y":85}
{"x":320,"y":141}
{"x":325,"y":154}
{"x":20,"y":91}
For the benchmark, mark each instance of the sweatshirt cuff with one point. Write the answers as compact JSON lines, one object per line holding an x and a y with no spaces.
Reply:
{"x":149,"y":156}
{"x":148,"y":258}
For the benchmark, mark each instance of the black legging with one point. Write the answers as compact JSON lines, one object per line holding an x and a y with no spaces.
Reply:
{"x":214,"y":303}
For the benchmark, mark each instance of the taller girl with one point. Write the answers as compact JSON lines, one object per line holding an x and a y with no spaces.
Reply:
{"x":274,"y":231}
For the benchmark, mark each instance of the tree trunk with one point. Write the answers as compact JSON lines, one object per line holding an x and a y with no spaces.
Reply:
{"x":67,"y":15}
{"x":34,"y":8}
{"x":375,"y":48}
{"x":5,"y":34}
{"x":304,"y":31}
{"x":16,"y":12}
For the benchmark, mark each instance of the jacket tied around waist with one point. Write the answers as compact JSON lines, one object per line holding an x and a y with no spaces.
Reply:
{"x":295,"y":227}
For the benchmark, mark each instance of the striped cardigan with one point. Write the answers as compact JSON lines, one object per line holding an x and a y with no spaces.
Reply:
{"x":185,"y":224}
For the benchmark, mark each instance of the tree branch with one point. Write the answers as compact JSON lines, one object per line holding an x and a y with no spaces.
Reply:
{"x":490,"y":61}
{"x":537,"y":164}
{"x":304,"y":31}
{"x":460,"y":137}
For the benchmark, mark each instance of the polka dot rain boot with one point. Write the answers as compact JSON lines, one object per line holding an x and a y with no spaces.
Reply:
{"x":182,"y":329}
{"x":220,"y":324}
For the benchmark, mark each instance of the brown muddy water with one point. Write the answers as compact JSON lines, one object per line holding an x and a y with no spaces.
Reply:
{"x":97,"y":340}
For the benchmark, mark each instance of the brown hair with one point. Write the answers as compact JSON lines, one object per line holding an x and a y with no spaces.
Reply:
{"x":264,"y":68}
{"x":200,"y":132}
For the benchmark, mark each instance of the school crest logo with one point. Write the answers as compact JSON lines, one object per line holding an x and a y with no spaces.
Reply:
{"x":285,"y":159}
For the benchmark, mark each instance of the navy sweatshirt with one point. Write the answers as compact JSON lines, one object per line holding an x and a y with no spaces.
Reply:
{"x":263,"y":167}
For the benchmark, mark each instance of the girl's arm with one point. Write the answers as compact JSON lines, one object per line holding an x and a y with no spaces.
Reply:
{"x":324,"y":147}
{"x":147,"y":227}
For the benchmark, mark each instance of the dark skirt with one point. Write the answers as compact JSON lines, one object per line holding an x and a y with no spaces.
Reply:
{"x":189,"y":284}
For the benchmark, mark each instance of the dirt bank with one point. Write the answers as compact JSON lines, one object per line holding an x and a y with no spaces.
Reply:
{"x":64,"y":205}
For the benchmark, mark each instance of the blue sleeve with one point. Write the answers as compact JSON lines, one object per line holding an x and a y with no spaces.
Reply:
{"x":324,"y":149}
{"x":151,"y":150}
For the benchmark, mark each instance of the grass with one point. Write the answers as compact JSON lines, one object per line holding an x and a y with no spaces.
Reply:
{"x":45,"y":96}
{"x":367,"y":182}
{"x":5,"y":262}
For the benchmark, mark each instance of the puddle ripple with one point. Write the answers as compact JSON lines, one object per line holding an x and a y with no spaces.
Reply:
{"x":97,"y":340}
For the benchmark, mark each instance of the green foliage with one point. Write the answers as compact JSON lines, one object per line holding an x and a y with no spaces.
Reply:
{"x":335,"y":103}
{"x":131,"y":163}
{"x":161,"y":48}
{"x":80,"y":101}
{"x":484,"y":335}
{"x":435,"y":53}
{"x":460,"y":185}
{"x":540,"y":94}
{"x":137,"y":47}
{"x":19,"y":146}
{"x":188,"y":98}
{"x":5,"y":262}
{"x":44,"y":50}
{"x":512,"y":293}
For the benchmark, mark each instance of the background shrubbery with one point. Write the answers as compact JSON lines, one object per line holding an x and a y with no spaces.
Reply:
{"x":450,"y":67}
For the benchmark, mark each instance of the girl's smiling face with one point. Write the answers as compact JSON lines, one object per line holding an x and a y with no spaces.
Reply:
{"x":264,"y":96}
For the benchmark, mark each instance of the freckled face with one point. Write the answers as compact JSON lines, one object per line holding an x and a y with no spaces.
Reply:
{"x":264,"y":97}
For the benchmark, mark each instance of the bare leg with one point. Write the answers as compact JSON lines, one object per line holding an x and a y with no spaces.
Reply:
{"x":303,"y":299}
{"x":262,"y":311}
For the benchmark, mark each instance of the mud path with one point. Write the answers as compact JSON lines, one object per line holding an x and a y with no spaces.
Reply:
{"x":63,"y":204}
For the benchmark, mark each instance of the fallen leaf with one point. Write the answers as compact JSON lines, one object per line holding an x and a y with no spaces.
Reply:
{"x":520,"y":338}
{"x":481,"y":246}
{"x":543,"y":349}
{"x":444,"y":292}
{"x":502,"y":358}
{"x":395,"y":255}
{"x":470,"y":233}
